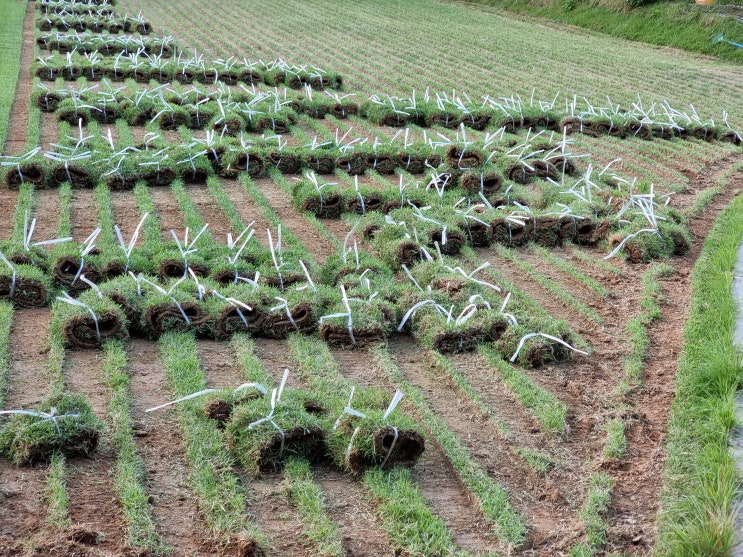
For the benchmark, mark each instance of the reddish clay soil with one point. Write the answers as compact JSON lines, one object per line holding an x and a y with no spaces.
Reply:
{"x":549,"y":501}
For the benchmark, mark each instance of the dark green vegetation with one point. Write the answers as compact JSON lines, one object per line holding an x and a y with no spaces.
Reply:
{"x":681,"y":25}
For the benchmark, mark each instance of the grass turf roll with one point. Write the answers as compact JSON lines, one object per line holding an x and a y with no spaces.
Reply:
{"x":295,"y":429}
{"x":27,"y":439}
{"x":88,"y":326}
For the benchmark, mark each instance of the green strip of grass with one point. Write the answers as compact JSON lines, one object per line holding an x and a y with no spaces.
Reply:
{"x":11,"y":40}
{"x":23,"y":208}
{"x":592,"y":516}
{"x":130,"y":469}
{"x":659,"y":23}
{"x":491,"y":497}
{"x":308,"y":498}
{"x":414,"y":529}
{"x":701,"y":480}
{"x":220,"y":494}
{"x":637,"y":327}
{"x":543,"y":405}
{"x":56,"y":492}
{"x":6,"y":321}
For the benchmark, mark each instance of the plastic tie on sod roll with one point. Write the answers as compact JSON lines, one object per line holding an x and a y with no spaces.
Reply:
{"x":47,"y":416}
{"x":12,"y":268}
{"x":258,"y":386}
{"x":275,"y":397}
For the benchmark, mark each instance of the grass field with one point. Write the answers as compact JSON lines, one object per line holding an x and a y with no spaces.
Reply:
{"x":535,"y":444}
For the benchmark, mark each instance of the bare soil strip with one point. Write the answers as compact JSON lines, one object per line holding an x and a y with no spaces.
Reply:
{"x":93,"y":508}
{"x":49,"y":133}
{"x":83,"y":213}
{"x":8,"y":200}
{"x":349,"y":507}
{"x":15,"y":143}
{"x":282,"y":204}
{"x":160,"y":444}
{"x":169,"y":212}
{"x":246,"y":208}
{"x":28,"y":382}
{"x":278,"y":521}
{"x":94,"y":512}
{"x":126,"y":214}
{"x":22,"y":508}
{"x":219,"y":224}
{"x":46,"y":212}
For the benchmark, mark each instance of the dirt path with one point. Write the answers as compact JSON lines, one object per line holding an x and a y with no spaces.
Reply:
{"x":219,"y":224}
{"x":46,"y":212}
{"x":246,"y":208}
{"x":160,"y":444}
{"x":169,"y":212}
{"x":349,"y":507}
{"x":93,"y":507}
{"x":83,"y":213}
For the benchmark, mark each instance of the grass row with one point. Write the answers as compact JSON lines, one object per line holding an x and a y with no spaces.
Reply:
{"x":11,"y":40}
{"x":701,"y":481}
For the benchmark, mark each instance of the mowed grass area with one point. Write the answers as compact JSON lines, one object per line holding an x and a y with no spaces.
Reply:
{"x":11,"y":39}
{"x":394,"y":47}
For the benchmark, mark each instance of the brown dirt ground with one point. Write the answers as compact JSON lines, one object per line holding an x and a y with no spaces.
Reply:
{"x":549,"y":502}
